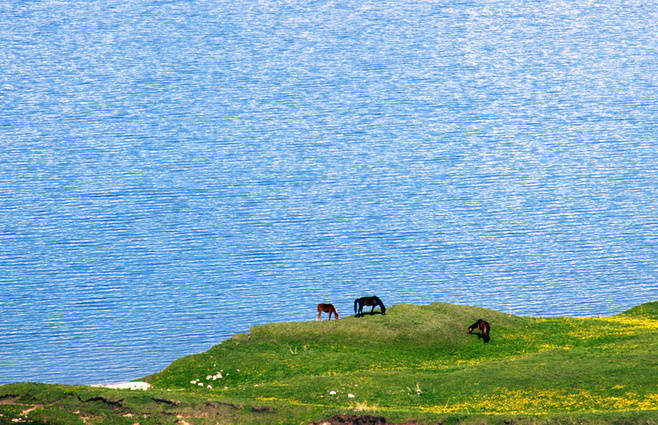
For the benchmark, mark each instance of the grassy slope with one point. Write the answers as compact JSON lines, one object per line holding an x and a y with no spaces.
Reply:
{"x":417,"y":362}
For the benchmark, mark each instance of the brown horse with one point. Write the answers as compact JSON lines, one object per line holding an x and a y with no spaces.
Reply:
{"x":327,"y":308}
{"x":483,"y":327}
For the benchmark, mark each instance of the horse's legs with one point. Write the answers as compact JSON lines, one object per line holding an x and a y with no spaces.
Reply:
{"x":484,"y":328}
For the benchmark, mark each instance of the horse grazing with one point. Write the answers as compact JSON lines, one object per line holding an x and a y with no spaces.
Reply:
{"x":327,"y":308}
{"x":374,"y":301}
{"x":483,"y":327}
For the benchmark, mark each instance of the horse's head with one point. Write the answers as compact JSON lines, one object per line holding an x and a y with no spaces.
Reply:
{"x":474,"y":326}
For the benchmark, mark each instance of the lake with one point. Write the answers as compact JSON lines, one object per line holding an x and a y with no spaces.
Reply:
{"x":174,"y":172}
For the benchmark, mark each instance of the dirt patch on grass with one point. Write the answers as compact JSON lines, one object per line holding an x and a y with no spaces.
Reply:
{"x":8,"y":400}
{"x":358,"y":420}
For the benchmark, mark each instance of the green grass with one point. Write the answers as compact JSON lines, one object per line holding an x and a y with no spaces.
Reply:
{"x":414,"y":362}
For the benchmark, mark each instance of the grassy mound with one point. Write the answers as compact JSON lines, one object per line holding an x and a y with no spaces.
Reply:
{"x":418,"y":362}
{"x":647,"y":311}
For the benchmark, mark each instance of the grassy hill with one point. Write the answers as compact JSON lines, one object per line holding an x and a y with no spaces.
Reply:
{"x":415,"y":362}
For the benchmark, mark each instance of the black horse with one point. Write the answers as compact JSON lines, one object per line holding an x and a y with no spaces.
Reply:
{"x":373,"y":301}
{"x":483,"y":327}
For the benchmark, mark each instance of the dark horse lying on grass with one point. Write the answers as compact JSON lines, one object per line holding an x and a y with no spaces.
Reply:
{"x":327,"y":308}
{"x":483,"y":327}
{"x":359,"y":303}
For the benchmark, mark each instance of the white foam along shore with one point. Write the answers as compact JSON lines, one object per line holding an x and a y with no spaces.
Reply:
{"x":133,"y":385}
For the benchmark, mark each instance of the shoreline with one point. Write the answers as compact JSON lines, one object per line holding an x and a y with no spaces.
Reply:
{"x":130,"y":385}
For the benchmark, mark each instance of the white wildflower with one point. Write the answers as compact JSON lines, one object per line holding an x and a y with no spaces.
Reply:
{"x":332,"y":392}
{"x":350,"y":395}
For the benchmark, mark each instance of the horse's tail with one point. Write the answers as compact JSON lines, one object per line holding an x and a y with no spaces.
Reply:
{"x":356,"y":301}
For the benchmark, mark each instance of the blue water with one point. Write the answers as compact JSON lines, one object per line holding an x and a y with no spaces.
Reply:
{"x":174,"y":172}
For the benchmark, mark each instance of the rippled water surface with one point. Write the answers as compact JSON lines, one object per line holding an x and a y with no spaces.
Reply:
{"x":173,"y":172}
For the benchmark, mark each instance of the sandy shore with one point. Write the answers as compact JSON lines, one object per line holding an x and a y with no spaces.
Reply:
{"x":134,"y":385}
